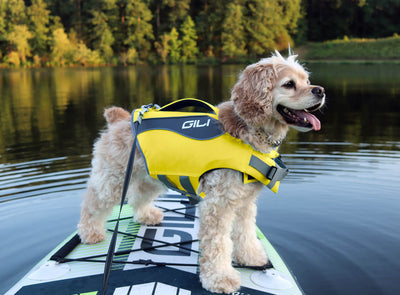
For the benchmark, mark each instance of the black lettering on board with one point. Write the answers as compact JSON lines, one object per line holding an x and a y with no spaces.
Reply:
{"x":149,"y":242}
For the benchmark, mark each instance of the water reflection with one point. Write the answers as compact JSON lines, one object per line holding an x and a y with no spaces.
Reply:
{"x":54,"y":112}
{"x":58,"y":111}
{"x":363,"y":102}
{"x":340,"y":196}
{"x":51,"y":113}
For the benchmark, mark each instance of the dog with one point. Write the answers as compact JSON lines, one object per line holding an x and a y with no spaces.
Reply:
{"x":269,"y":97}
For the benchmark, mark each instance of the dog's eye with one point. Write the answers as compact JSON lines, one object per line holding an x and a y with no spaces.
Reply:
{"x":290,"y":84}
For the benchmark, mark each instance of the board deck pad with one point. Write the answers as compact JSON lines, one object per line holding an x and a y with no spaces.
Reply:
{"x":129,"y":273}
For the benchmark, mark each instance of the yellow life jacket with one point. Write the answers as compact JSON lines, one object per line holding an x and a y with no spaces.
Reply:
{"x":180,"y":146}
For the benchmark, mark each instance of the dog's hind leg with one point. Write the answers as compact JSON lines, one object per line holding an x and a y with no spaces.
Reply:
{"x":142,"y":192}
{"x":93,"y":216}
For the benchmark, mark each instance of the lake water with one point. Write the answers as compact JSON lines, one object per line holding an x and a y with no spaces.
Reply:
{"x":335,"y":220}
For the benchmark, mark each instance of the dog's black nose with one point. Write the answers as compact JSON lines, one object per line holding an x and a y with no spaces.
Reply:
{"x":318,"y":91}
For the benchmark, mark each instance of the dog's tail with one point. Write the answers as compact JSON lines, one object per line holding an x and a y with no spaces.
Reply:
{"x":115,"y":114}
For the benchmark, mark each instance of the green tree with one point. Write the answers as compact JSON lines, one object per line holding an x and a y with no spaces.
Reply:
{"x":12,"y":58}
{"x":139,"y":29}
{"x":132,"y":56}
{"x":12,"y":13}
{"x":61,"y":49}
{"x":168,"y":14}
{"x":74,"y":14}
{"x":19,"y":37}
{"x":291,"y":14}
{"x":175,"y":46}
{"x":103,"y":37}
{"x":178,"y":10}
{"x":262,"y":25}
{"x":233,"y":34}
{"x":163,"y":46}
{"x":16,"y":13}
{"x":189,"y":50}
{"x":269,"y":24}
{"x":84,"y":56}
{"x":3,"y":13}
{"x":379,"y":18}
{"x":3,"y":29}
{"x":39,"y":22}
{"x":209,"y":26}
{"x":359,"y":18}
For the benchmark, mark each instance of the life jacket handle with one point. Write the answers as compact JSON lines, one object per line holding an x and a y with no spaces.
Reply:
{"x":188,"y":102}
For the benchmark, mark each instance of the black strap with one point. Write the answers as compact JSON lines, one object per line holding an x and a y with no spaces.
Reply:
{"x":66,"y":249}
{"x":111,"y":249}
{"x":60,"y":255}
{"x":187,"y":102}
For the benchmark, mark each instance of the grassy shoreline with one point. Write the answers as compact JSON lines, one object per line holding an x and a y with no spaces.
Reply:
{"x":383,"y":50}
{"x":354,"y":61}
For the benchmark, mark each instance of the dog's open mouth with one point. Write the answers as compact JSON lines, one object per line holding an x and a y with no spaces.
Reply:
{"x":301,"y":118}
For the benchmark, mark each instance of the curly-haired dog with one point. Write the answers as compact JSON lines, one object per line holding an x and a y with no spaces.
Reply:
{"x":269,"y":96}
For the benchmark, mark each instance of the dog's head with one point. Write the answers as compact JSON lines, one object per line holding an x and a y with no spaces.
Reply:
{"x":276,"y":89}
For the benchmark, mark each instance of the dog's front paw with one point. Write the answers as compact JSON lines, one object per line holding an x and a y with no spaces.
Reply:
{"x":226,"y":281}
{"x":149,"y":216}
{"x":91,"y":236}
{"x":253,"y":254}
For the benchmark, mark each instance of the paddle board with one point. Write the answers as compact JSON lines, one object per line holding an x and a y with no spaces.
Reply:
{"x":149,"y":260}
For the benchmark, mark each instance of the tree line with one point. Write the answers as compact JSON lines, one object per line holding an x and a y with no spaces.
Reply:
{"x":94,"y":32}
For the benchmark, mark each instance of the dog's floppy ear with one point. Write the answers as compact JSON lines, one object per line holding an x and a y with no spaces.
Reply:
{"x":115,"y":114}
{"x":252,"y":95}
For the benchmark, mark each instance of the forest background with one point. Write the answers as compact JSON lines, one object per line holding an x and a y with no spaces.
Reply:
{"x":37,"y":33}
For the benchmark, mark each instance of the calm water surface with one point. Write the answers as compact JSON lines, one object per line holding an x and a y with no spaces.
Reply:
{"x":335,"y":220}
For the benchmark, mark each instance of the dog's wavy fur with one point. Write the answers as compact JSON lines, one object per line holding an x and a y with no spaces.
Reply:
{"x":228,"y":212}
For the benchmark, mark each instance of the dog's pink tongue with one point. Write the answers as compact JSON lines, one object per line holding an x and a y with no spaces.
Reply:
{"x":313,"y":120}
{"x":310,"y":118}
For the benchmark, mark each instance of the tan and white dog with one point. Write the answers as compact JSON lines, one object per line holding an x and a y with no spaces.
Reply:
{"x":269,"y":96}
